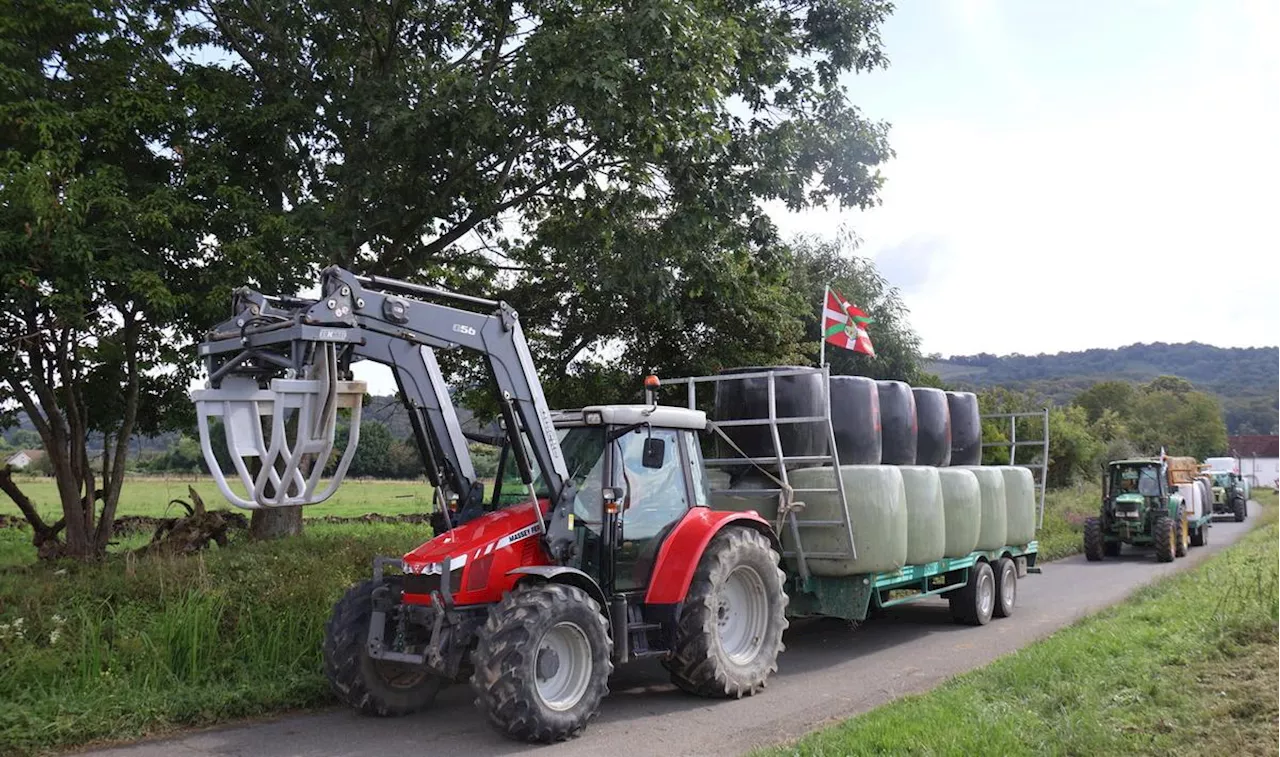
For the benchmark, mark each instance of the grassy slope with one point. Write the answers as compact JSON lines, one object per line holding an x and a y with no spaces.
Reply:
{"x":1188,"y":666}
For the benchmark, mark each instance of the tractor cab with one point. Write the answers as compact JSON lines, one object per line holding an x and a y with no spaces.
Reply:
{"x":637,"y":470}
{"x":1134,"y":489}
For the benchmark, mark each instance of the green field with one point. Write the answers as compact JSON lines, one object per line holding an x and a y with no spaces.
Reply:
{"x":150,"y":496}
{"x":1188,"y":666}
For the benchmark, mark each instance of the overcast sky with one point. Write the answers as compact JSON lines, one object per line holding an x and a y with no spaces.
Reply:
{"x":1077,"y":174}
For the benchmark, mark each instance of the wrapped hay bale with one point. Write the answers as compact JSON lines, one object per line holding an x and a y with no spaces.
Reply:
{"x":855,"y":419}
{"x":1020,"y":501}
{"x":962,"y":510}
{"x":926,"y":519}
{"x":877,"y":508}
{"x":898,"y":426}
{"x":1192,"y":498}
{"x":797,"y":396}
{"x":966,"y":428}
{"x":933,"y":427}
{"x":993,"y":530}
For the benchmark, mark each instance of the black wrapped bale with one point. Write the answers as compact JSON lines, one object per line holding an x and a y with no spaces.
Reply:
{"x":898,"y":426}
{"x":796,"y":396}
{"x":933,"y":437}
{"x":966,"y":428}
{"x":855,"y":419}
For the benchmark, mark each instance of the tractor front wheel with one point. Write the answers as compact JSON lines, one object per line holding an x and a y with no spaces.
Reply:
{"x":372,"y":687}
{"x":1093,"y":542}
{"x":542,"y":664}
{"x":729,"y":633}
{"x":1164,"y":538}
{"x":1238,"y":510}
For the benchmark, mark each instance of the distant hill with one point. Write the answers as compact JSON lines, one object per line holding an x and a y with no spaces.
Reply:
{"x":1246,"y":379}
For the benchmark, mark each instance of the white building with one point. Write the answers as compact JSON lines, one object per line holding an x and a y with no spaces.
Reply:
{"x":23,"y":458}
{"x":1259,"y":458}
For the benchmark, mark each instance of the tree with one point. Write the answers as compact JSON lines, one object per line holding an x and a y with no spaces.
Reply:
{"x":93,"y":240}
{"x":372,"y":458}
{"x":1116,"y":396}
{"x":1173,"y":415}
{"x":601,"y":167}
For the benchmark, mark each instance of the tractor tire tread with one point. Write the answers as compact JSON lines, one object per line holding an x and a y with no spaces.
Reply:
{"x":501,"y":660}
{"x":350,"y":672}
{"x":696,"y":662}
{"x":1094,"y":544}
{"x":1162,"y":535}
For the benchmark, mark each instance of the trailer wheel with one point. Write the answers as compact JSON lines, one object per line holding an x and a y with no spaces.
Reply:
{"x":974,"y":604}
{"x":542,"y":663}
{"x":1164,"y":539}
{"x":372,"y":687}
{"x":1112,"y":548}
{"x":1183,"y":535}
{"x":1238,"y":509}
{"x":1006,"y":587}
{"x":1093,"y":543}
{"x":729,"y":633}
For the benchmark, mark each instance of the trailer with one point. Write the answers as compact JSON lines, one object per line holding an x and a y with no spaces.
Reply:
{"x":978,"y":586}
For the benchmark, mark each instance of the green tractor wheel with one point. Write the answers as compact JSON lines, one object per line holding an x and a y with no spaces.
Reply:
{"x":1164,"y":538}
{"x":1238,"y":509}
{"x":1094,"y":546}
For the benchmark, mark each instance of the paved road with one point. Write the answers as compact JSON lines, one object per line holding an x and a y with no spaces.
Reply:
{"x":829,"y":671}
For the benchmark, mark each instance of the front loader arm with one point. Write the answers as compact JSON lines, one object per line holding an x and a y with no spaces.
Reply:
{"x":372,"y":318}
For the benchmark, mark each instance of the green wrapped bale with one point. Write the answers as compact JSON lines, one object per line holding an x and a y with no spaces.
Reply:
{"x":962,"y":510}
{"x":926,"y":520}
{"x":877,"y":507}
{"x":993,"y":526}
{"x":1020,"y":501}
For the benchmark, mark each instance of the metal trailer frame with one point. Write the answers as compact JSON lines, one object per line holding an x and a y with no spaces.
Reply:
{"x":780,"y":459}
{"x":1043,"y":466}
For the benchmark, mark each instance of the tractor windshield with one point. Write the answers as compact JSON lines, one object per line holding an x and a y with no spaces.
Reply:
{"x":1144,"y":480}
{"x":1222,"y":479}
{"x":583,"y":448}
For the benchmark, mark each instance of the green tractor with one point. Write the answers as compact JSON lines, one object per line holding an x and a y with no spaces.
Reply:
{"x":1138,"y":508}
{"x":1228,"y":495}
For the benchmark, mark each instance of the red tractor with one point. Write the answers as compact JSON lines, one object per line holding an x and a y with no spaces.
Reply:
{"x":595,"y":547}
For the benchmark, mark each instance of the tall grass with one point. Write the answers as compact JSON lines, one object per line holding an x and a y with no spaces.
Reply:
{"x":137,"y":646}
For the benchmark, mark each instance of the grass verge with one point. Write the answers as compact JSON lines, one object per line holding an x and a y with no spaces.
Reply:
{"x":1187,"y":666}
{"x":135,"y":647}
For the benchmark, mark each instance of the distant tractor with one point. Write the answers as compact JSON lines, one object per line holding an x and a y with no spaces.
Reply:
{"x":1228,"y":495}
{"x":1139,"y":508}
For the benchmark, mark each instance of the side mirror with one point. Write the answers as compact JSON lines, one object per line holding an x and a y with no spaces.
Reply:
{"x":654,"y":454}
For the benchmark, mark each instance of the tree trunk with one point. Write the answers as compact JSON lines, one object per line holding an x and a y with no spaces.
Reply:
{"x":275,"y":523}
{"x":43,"y":537}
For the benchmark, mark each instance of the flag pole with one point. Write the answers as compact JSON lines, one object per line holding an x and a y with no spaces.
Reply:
{"x":822,"y":321}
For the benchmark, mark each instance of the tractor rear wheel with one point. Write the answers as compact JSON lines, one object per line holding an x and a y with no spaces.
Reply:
{"x":1164,"y":539}
{"x":1183,"y":534}
{"x":542,"y":663}
{"x":974,"y":604}
{"x":729,"y":633}
{"x":1238,"y":509}
{"x":372,"y":687}
{"x":1093,"y":543}
{"x":1006,"y":573}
